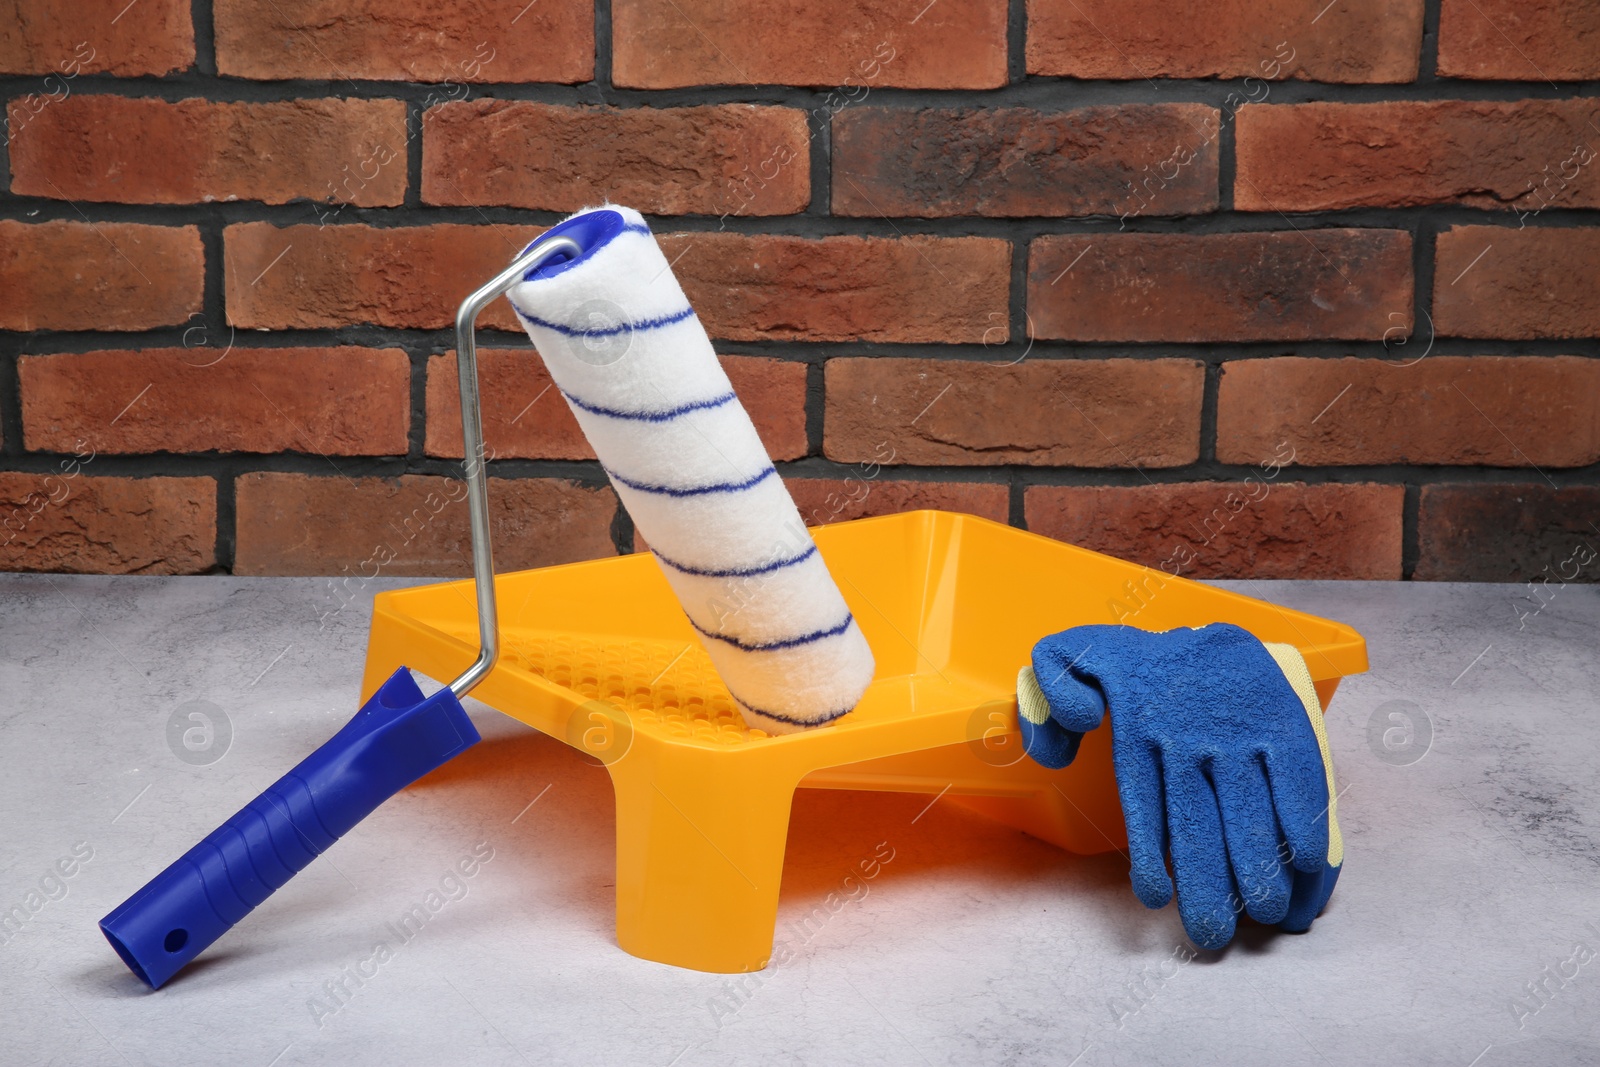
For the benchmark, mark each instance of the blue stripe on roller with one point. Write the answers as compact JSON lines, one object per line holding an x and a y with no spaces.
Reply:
{"x":694,"y":490}
{"x":826,"y":717}
{"x":787,"y":642}
{"x":737,"y":572}
{"x":636,"y":227}
{"x":609,"y":331}
{"x":652,"y":416}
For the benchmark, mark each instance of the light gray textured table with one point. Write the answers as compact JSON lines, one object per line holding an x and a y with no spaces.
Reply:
{"x":1469,"y":872}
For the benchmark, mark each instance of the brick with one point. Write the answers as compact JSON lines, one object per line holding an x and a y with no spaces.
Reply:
{"x":1079,"y":413}
{"x":96,"y":37}
{"x":314,"y":277}
{"x":77,"y":522}
{"x":908,"y":289}
{"x":1258,"y":528}
{"x":773,"y":391}
{"x":1018,"y":162}
{"x":744,"y":287}
{"x":1510,"y":533}
{"x":407,"y":40}
{"x":1494,"y":281}
{"x":724,"y":159}
{"x":1353,"y":41}
{"x":1272,"y":286}
{"x":1522,"y":154}
{"x":330,"y":401}
{"x":98,"y":276}
{"x":523,"y":416}
{"x":524,"y":419}
{"x":148,"y":151}
{"x":412,"y":525}
{"x":1443,"y":410}
{"x":1554,"y":40}
{"x":866,"y":492}
{"x":856,"y":45}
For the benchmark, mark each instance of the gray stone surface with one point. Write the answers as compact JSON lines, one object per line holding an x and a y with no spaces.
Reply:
{"x":1473,"y":865}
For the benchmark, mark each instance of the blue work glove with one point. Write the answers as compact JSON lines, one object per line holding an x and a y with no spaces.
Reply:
{"x":1221,"y":758}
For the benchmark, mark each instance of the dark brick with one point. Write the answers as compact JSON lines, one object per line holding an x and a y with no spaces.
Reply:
{"x":1290,"y":286}
{"x":1017,"y":162}
{"x":1510,"y":533}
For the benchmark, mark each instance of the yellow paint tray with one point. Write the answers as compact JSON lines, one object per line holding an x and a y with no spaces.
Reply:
{"x":600,"y":655}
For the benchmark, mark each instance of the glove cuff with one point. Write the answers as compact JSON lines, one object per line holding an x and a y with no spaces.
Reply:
{"x":1293,"y":666}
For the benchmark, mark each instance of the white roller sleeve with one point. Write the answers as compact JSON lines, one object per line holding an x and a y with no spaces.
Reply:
{"x":635,"y":365}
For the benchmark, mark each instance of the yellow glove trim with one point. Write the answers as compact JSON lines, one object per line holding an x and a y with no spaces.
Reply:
{"x":1294,"y":669}
{"x":1031,"y":704}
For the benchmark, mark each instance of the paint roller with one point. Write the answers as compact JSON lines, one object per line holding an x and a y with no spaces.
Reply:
{"x":623,"y":345}
{"x":635,"y":365}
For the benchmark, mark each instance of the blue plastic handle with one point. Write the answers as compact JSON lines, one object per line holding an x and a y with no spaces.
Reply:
{"x":397,"y":737}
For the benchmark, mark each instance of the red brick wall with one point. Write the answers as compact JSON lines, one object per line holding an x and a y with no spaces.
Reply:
{"x":1240,"y":288}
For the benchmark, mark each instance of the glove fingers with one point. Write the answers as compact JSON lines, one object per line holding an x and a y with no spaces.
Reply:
{"x":1311,"y":893}
{"x":1139,"y":787}
{"x":1206,"y":898}
{"x":1300,"y":795}
{"x":1251,"y":830}
{"x":1076,"y":702}
{"x":1048,"y":743}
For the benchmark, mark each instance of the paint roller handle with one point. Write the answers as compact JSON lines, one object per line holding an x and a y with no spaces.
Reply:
{"x":398,"y":736}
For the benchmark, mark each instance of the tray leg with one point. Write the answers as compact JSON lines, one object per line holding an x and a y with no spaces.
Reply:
{"x":699,"y":859}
